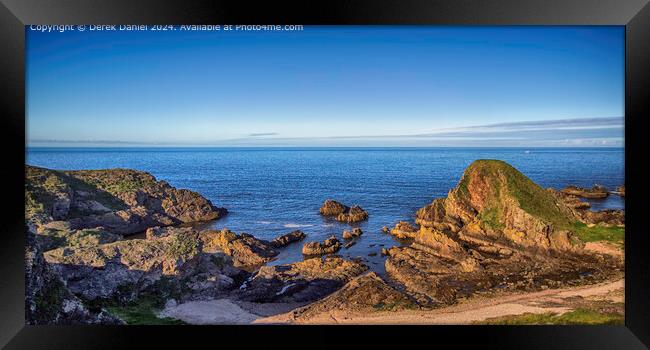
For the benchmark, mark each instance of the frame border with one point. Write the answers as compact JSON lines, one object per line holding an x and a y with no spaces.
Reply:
{"x":634,"y":14}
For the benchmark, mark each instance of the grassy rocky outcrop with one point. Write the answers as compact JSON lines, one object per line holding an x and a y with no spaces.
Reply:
{"x":497,"y":230}
{"x":86,"y":207}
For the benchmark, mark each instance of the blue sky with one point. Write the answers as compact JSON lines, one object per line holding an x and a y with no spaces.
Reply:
{"x":328,"y":86}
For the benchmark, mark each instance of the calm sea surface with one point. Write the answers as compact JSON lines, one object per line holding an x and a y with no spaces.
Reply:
{"x":269,"y":192}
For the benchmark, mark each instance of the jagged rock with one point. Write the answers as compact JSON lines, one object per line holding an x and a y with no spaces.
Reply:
{"x":385,"y":229}
{"x":355,"y":214}
{"x":349,"y":244}
{"x":384,"y":252}
{"x":121,"y":270}
{"x":620,"y":190}
{"x":403,"y":230}
{"x":332,"y":208}
{"x":302,"y":281}
{"x":120,"y":201}
{"x":356,"y":232}
{"x":596,"y":191}
{"x":288,"y":238}
{"x":247,"y":252}
{"x":328,"y":246}
{"x":366,"y":293}
{"x":607,"y":217}
{"x":48,"y":300}
{"x":342,"y":212}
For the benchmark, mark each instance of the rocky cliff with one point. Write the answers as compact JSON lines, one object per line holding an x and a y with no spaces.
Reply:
{"x":48,"y":300}
{"x":77,"y":208}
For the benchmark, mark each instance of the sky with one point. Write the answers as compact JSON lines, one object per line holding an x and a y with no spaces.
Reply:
{"x":328,"y":86}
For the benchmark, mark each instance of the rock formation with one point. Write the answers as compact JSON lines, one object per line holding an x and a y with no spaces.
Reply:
{"x":48,"y":300}
{"x":403,"y":230}
{"x":596,"y":191}
{"x":620,"y":190}
{"x":342,"y":212}
{"x":302,"y":281}
{"x":356,"y":232}
{"x":607,"y":217}
{"x":496,"y":228}
{"x":328,"y":246}
{"x":246,"y":251}
{"x":288,"y":238}
{"x":368,"y":292}
{"x":114,"y":201}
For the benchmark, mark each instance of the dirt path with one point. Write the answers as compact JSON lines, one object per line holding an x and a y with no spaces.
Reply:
{"x":476,"y":309}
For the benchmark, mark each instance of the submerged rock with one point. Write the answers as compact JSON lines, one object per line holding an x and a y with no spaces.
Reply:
{"x":328,"y":246}
{"x":302,"y":281}
{"x":596,"y":191}
{"x":342,"y":212}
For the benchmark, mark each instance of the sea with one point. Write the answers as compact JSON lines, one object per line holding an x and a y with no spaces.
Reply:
{"x":273,"y":191}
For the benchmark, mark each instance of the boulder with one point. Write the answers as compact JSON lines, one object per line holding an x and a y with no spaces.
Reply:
{"x":355,"y":214}
{"x":302,"y":281}
{"x":328,"y":246}
{"x":342,"y":212}
{"x":356,"y":232}
{"x":333,"y":208}
{"x":247,"y":252}
{"x":288,"y":238}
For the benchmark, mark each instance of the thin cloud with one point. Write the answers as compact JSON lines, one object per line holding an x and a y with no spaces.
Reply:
{"x":260,"y":134}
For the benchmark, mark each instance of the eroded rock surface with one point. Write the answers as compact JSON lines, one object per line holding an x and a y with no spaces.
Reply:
{"x":366,"y":293}
{"x":496,"y":230}
{"x":302,"y":281}
{"x":328,"y":246}
{"x":596,"y":191}
{"x":177,"y":262}
{"x":48,"y":300}
{"x":403,"y":230}
{"x":288,"y":238}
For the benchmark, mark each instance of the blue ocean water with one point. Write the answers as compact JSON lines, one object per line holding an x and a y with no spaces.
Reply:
{"x":273,"y":191}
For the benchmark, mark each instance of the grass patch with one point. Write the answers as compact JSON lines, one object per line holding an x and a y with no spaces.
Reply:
{"x":142,"y":312}
{"x":576,"y":317}
{"x":596,"y":233}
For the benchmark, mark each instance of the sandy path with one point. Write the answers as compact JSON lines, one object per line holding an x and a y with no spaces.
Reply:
{"x":218,"y":311}
{"x":476,"y":309}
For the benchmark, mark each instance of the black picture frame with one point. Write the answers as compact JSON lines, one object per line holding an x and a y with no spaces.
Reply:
{"x":634,"y":15}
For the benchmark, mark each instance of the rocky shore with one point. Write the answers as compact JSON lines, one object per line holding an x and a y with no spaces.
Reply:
{"x":496,"y":232}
